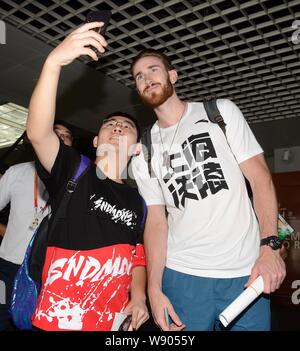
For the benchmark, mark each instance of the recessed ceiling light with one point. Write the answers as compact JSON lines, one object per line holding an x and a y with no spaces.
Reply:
{"x":12,"y":123}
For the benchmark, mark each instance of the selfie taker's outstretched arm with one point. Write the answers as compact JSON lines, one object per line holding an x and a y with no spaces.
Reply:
{"x":42,"y":104}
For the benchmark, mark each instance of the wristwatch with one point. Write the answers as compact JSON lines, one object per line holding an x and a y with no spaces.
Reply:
{"x":271,"y":241}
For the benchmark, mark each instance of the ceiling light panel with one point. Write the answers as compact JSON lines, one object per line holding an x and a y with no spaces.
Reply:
{"x":238,"y":49}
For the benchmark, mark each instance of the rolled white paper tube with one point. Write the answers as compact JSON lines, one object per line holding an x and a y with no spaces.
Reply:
{"x":242,"y":301}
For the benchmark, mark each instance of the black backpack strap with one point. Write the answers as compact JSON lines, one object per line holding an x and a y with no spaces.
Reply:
{"x":36,"y":250}
{"x":83,"y":165}
{"x":147,"y":147}
{"x":213,"y":113}
{"x":80,"y":170}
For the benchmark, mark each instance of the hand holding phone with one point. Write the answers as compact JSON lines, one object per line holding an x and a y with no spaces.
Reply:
{"x":99,"y":16}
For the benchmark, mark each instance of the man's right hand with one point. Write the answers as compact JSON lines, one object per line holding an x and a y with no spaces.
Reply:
{"x":159,"y":302}
{"x":77,"y":43}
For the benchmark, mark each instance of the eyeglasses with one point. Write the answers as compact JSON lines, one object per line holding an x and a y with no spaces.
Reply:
{"x":112,"y":123}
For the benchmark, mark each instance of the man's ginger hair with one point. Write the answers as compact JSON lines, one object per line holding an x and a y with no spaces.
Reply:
{"x":152,"y":52}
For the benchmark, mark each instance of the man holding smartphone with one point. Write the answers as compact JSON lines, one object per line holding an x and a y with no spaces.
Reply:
{"x":95,"y":262}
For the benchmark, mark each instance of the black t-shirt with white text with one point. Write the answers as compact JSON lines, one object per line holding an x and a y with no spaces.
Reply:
{"x":91,"y":252}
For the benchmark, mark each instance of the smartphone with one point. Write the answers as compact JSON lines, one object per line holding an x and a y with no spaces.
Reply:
{"x":125,"y":324}
{"x":166,"y":314}
{"x":99,"y":16}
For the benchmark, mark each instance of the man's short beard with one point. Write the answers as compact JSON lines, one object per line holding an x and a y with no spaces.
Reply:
{"x":155,"y":100}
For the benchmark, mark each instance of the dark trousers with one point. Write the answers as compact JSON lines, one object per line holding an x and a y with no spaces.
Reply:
{"x":8,"y":270}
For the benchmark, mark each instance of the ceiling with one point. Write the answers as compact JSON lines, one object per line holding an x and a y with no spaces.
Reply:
{"x":242,"y":49}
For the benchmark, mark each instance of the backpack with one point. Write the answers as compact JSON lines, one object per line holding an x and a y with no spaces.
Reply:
{"x":213,"y":113}
{"x":27,"y":282}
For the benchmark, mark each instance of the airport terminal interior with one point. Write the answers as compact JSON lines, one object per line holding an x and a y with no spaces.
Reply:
{"x":245,"y":50}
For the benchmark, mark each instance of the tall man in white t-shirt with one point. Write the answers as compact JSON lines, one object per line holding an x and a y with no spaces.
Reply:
{"x":207,"y":249}
{"x":21,"y":187}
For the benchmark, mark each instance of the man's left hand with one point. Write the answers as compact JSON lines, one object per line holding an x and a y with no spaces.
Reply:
{"x":271,"y":267}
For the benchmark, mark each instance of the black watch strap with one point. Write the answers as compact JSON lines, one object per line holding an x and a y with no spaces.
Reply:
{"x":272,"y":241}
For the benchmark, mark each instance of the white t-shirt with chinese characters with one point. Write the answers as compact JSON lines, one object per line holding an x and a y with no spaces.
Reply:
{"x":17,"y":188}
{"x":213,"y":230}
